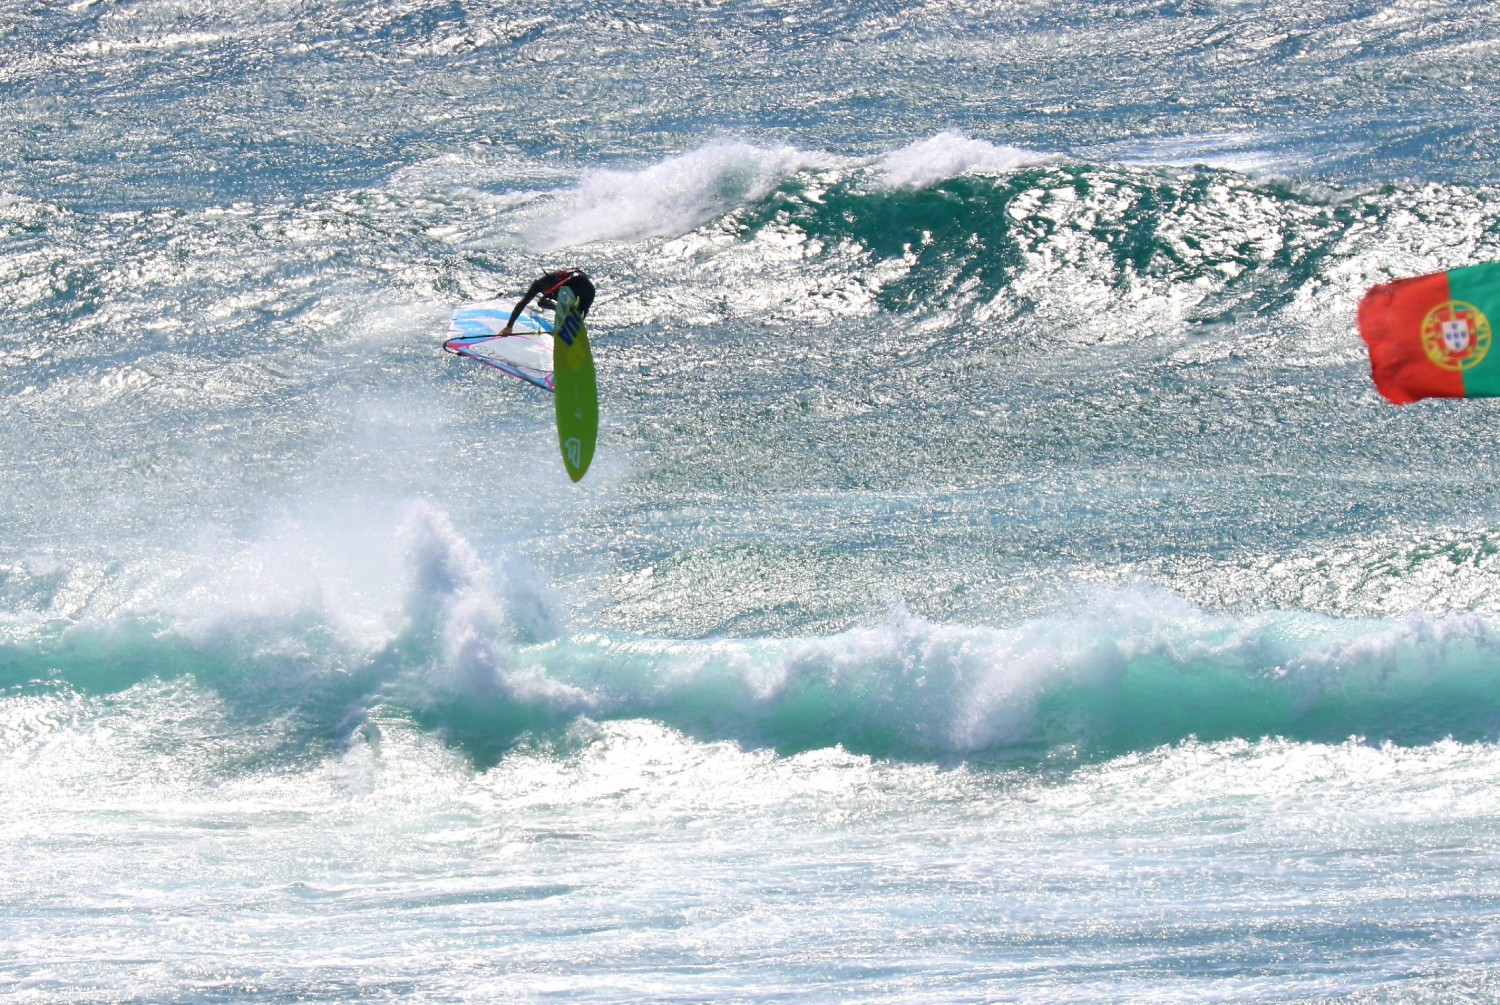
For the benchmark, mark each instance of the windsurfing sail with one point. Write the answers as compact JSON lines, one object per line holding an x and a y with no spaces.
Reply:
{"x":1430,"y":336}
{"x":474,"y":333}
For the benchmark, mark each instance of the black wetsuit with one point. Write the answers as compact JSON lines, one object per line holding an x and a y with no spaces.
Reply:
{"x":548,"y":287}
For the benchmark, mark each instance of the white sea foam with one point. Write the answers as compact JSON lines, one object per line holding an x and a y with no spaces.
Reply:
{"x":173,"y":40}
{"x":673,"y":196}
{"x":451,"y":595}
{"x":1244,"y":151}
{"x":949,"y":155}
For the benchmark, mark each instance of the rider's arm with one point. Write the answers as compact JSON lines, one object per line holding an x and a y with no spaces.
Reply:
{"x":531,"y":291}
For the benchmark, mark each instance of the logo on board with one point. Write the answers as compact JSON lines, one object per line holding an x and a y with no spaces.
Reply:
{"x":573,"y":451}
{"x":1456,"y":335}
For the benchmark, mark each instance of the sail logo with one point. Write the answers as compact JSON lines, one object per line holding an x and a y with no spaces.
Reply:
{"x":1456,"y":335}
{"x":573,"y":451}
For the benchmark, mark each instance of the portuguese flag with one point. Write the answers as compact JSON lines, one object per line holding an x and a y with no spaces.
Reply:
{"x":1430,"y":336}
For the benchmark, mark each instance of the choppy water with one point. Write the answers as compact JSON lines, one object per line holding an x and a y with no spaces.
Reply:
{"x":998,"y":580}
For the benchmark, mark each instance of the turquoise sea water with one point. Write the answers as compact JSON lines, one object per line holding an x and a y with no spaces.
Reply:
{"x":998,"y":580}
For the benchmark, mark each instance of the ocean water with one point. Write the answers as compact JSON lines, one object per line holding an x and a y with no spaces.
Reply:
{"x":998,"y":580}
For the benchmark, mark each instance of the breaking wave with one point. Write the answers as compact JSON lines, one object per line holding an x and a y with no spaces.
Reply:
{"x":478,"y":658}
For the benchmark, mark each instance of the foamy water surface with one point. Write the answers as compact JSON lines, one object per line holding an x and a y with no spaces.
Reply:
{"x":998,"y":579}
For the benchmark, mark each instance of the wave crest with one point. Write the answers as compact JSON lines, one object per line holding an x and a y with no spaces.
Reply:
{"x":949,"y":155}
{"x":1115,"y":673}
{"x":674,"y":196}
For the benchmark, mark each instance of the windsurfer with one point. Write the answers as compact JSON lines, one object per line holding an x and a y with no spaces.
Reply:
{"x":545,"y":291}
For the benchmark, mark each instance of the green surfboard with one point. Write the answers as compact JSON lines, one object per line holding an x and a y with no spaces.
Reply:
{"x":577,"y":394}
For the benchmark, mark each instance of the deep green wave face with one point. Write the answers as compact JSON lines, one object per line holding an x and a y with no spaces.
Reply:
{"x":1230,"y":244}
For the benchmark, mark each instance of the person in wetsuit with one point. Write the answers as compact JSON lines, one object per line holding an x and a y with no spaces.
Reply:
{"x":545,"y":291}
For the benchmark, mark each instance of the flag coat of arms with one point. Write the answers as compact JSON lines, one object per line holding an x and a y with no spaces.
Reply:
{"x":1430,"y":336}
